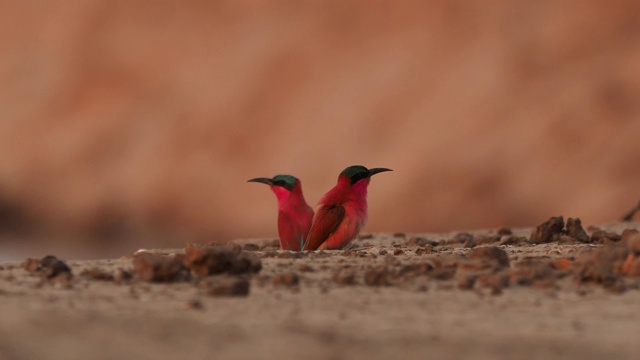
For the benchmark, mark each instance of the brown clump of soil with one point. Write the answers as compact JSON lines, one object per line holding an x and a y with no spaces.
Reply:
{"x":49,"y":267}
{"x":247,"y":262}
{"x":208,"y":260}
{"x":491,"y":256}
{"x":214,"y":259}
{"x":576,"y":231}
{"x":602,"y":266}
{"x":158,"y":268}
{"x":484,"y":268}
{"x":548,"y":231}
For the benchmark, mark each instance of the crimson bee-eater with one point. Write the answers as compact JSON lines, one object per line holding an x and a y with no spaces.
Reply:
{"x":294,"y":215}
{"x":343,"y":210}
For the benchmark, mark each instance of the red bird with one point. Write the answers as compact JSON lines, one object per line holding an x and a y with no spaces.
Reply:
{"x":343,"y":211}
{"x":294,"y":215}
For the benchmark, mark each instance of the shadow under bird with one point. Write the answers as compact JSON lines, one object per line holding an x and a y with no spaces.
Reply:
{"x":294,"y":215}
{"x":343,"y":210}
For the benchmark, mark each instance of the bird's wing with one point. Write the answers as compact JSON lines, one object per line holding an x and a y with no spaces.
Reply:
{"x":325,"y":223}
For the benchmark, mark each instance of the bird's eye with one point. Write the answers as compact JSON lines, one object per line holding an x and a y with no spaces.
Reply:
{"x":357,"y":177}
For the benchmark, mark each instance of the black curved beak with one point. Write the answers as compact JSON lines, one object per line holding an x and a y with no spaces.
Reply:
{"x":377,"y":170}
{"x":262,"y":180}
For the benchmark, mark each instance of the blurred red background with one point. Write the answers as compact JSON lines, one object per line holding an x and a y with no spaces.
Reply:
{"x":130,"y":124}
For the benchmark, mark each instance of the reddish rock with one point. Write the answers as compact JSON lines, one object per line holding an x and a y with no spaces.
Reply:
{"x":246,"y":262}
{"x":576,"y":231}
{"x":159,"y":268}
{"x":603,"y":266}
{"x":562,"y":264}
{"x":49,"y":267}
{"x":491,"y":255}
{"x":210,"y":260}
{"x":548,"y":231}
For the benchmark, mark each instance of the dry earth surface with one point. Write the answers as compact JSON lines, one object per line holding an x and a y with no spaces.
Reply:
{"x":557,"y":294}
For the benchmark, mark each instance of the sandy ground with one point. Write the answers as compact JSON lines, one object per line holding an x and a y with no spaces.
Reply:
{"x":338,"y":308}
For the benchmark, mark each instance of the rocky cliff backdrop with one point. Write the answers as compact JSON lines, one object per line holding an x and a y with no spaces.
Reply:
{"x":120,"y":118}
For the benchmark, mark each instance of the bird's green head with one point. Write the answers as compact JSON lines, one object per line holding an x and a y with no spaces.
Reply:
{"x":285,"y":181}
{"x":356,"y":173}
